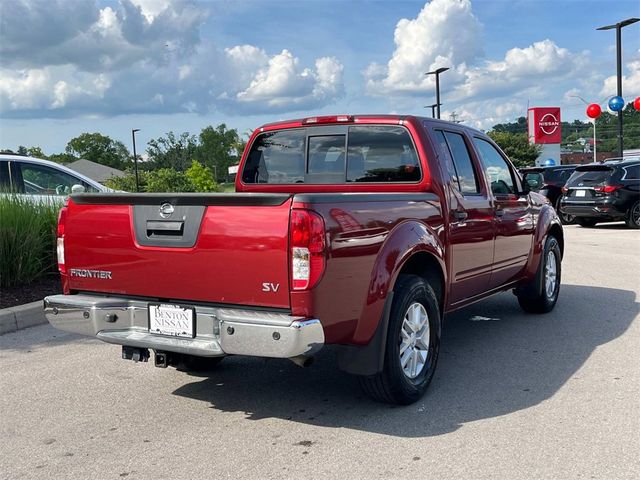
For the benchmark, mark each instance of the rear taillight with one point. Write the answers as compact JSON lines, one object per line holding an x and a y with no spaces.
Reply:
{"x":565,"y":189}
{"x":307,"y":248}
{"x":62,"y":217}
{"x":607,"y":188}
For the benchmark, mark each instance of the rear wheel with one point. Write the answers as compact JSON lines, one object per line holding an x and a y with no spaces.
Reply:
{"x":412,"y":345}
{"x":586,"y":222}
{"x":633,"y":216}
{"x":565,"y":218}
{"x":541,"y":294}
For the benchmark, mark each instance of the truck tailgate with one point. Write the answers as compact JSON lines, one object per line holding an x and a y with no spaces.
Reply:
{"x":215,"y":248}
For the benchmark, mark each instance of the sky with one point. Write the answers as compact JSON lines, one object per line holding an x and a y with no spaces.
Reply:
{"x":108,"y":66}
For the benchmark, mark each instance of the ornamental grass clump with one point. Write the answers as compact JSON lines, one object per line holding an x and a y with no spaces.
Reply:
{"x":27,"y":239}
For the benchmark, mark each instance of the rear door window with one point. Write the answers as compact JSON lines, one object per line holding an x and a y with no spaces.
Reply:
{"x":43,"y":180}
{"x":459,"y":162}
{"x":632,"y":172}
{"x":5,"y":179}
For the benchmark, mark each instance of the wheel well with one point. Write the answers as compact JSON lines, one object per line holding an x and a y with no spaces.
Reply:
{"x":556,"y":231}
{"x":426,"y":266}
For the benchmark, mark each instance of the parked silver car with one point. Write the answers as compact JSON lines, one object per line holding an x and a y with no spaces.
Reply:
{"x":42,"y":179}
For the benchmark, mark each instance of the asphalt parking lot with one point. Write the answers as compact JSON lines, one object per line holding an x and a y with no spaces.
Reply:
{"x":515,"y":396}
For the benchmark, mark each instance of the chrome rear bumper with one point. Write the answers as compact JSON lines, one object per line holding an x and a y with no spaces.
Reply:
{"x":219,"y":331}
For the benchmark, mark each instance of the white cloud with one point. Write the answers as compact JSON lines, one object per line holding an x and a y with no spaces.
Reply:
{"x":445,"y":33}
{"x":143,"y":56}
{"x":630,"y":83}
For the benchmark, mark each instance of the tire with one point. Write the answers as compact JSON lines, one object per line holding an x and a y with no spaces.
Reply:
{"x":586,"y":222}
{"x":633,"y":216}
{"x":191,"y":363}
{"x":565,"y":218}
{"x":418,"y":336}
{"x":541,"y":294}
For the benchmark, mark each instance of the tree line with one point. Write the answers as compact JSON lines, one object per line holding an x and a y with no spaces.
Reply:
{"x":175,"y":162}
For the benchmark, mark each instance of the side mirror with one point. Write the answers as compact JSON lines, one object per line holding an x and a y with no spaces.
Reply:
{"x":77,"y":188}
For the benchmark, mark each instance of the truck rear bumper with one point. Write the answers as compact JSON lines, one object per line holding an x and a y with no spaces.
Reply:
{"x":219,"y":331}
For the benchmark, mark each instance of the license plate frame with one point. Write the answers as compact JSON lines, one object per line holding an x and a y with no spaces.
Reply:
{"x":180,"y":315}
{"x":581,"y":193}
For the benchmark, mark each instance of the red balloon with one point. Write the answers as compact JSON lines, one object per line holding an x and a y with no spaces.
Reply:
{"x":594,"y":110}
{"x":636,"y":104}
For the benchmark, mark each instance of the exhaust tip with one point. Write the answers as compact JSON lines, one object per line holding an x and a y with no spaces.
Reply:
{"x":302,"y":361}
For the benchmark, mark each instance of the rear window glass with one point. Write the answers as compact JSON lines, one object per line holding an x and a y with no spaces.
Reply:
{"x":366,"y":154}
{"x":588,"y":178}
{"x":382,"y":154}
{"x":276,"y":157}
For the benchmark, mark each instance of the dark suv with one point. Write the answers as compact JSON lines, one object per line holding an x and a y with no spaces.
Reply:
{"x":549,"y":181}
{"x":604,"y":193}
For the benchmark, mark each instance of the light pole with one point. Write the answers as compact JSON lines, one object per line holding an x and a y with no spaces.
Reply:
{"x":135,"y":157}
{"x":619,"y":26}
{"x":433,"y":109}
{"x":437,"y":73}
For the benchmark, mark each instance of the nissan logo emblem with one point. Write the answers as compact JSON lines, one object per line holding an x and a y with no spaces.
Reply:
{"x":166,"y":209}
{"x":549,"y":124}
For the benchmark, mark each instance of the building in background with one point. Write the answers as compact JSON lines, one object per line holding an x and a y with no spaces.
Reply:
{"x":95,"y":171}
{"x":544,"y":129}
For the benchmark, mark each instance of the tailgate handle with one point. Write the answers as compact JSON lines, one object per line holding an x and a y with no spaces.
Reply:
{"x":163,"y":229}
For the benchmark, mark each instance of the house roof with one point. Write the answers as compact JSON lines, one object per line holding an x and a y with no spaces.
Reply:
{"x":99,"y":173}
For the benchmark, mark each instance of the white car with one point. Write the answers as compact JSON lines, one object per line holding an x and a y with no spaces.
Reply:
{"x":43,"y":180}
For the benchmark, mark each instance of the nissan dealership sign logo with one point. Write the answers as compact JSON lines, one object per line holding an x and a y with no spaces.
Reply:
{"x":549,"y":124}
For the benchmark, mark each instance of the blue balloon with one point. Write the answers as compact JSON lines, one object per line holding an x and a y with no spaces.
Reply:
{"x":549,"y":162}
{"x":616,"y":103}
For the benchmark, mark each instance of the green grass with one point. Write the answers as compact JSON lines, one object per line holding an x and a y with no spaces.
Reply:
{"x":27,"y":239}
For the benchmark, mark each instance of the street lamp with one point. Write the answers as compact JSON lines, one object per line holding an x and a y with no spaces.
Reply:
{"x":437,"y":74}
{"x":135,"y":157}
{"x":433,"y":109}
{"x":619,"y":26}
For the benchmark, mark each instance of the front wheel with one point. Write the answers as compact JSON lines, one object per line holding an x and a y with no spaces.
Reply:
{"x":541,"y":294}
{"x":412,"y":345}
{"x":633,"y":216}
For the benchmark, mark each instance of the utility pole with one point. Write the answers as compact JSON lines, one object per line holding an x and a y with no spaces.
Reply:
{"x":437,"y":73}
{"x":135,"y":157}
{"x":619,"y":26}
{"x":454,"y":117}
{"x":433,"y":109}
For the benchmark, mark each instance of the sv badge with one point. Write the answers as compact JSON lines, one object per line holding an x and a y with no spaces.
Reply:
{"x":270,"y":287}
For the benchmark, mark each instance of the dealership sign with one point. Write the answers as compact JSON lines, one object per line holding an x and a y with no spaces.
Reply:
{"x":543,"y":124}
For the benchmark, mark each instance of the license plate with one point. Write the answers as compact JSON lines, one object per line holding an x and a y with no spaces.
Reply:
{"x":580,"y":193}
{"x":172,"y":320}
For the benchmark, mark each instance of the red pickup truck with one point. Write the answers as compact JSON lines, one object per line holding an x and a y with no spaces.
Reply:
{"x":357,"y":231}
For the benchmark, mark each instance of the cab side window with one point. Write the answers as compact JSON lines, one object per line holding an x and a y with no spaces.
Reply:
{"x":496,"y":168}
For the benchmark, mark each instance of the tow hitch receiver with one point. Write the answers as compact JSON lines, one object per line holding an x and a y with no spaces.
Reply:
{"x":161,"y":360}
{"x":135,"y":354}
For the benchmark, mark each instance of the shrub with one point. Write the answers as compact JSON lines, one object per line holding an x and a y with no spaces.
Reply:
{"x":27,"y":239}
{"x":201,"y":178}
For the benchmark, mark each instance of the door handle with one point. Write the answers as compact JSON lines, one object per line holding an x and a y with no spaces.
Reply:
{"x":460,"y":214}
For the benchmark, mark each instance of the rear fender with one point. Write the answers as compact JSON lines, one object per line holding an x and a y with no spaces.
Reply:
{"x":548,"y":222}
{"x":405,"y":240}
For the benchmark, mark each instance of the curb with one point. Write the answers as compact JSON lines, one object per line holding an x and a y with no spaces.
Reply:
{"x":19,"y":317}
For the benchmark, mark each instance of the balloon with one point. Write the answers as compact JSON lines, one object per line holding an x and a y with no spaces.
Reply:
{"x":594,"y":110}
{"x":636,"y":104}
{"x":616,"y":103}
{"x":549,"y":162}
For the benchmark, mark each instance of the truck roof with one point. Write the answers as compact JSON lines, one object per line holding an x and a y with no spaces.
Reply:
{"x":359,"y":118}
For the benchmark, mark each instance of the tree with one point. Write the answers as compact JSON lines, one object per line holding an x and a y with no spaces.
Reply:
{"x":62,"y":158}
{"x":100,"y":149}
{"x":219,"y":149}
{"x":127,"y":182}
{"x":201,"y":178}
{"x":517,"y":147}
{"x":172,"y":151}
